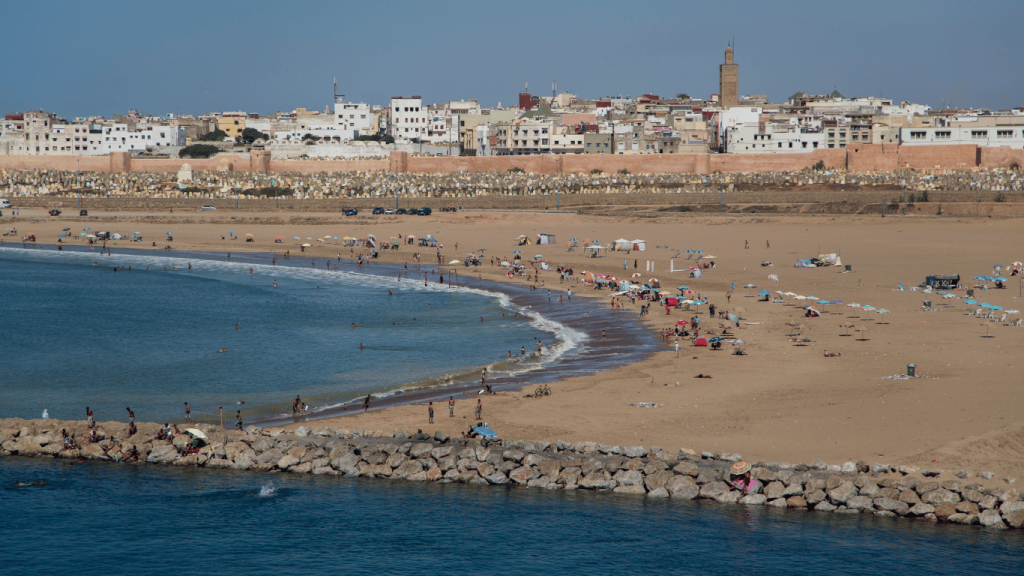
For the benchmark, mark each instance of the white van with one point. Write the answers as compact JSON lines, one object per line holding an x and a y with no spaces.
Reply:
{"x":5,"y":203}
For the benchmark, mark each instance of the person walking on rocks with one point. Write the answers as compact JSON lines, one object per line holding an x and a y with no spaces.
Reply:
{"x":131,"y":415}
{"x":430,"y":412}
{"x":89,"y":417}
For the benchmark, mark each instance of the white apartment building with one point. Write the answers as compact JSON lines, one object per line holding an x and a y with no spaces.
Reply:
{"x":352,"y":117}
{"x":37,"y":135}
{"x":746,"y":138}
{"x":523,"y":137}
{"x":483,"y":140}
{"x":1008,"y":135}
{"x":408,"y":118}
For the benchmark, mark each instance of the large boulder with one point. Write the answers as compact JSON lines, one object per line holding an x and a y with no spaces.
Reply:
{"x":753,"y":499}
{"x":657,"y":480}
{"x":682,"y":487}
{"x":346,"y":463}
{"x":303,"y":431}
{"x":634,"y":489}
{"x":688,"y":468}
{"x":841,"y":493}
{"x":569,"y":476}
{"x":407,"y":469}
{"x":521,"y":475}
{"x":796,"y":502}
{"x":921,"y":509}
{"x":629,"y":478}
{"x":891,"y":505}
{"x":162,"y":454}
{"x":859,"y":503}
{"x":940,"y":496}
{"x":598,"y":479}
{"x":420,"y":448}
{"x":1014,"y":519}
{"x":713,"y":489}
{"x":287,"y":461}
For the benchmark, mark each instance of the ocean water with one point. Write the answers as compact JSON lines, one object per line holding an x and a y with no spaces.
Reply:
{"x":100,"y":518}
{"x":78,"y":333}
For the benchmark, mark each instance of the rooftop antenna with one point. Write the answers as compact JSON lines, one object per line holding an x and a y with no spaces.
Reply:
{"x":338,"y":98}
{"x":554,"y":87}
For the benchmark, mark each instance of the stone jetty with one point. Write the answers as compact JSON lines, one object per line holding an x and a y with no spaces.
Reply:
{"x":851,"y":488}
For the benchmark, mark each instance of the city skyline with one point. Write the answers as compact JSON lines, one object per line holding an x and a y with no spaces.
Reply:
{"x":108,"y":57}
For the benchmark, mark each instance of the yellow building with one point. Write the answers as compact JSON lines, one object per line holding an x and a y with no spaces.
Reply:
{"x":233,"y":125}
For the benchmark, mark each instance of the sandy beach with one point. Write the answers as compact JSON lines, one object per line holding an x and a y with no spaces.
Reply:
{"x":782,"y":401}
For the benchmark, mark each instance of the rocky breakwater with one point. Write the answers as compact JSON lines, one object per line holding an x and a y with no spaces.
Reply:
{"x":851,"y":488}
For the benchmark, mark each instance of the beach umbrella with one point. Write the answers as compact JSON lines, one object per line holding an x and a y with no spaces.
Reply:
{"x":538,"y":256}
{"x":995,"y":307}
{"x":231,"y":233}
{"x":86,"y":228}
{"x":319,"y":240}
{"x":635,"y":275}
{"x":773,"y":277}
{"x":136,"y":233}
{"x":62,"y":235}
{"x":882,"y":311}
{"x":986,"y":278}
{"x":823,"y":302}
{"x":779,"y":292}
{"x":846,"y":327}
{"x":517,"y":252}
{"x":82,"y":234}
{"x":574,"y":239}
{"x":679,"y":287}
{"x":1018,"y":263}
{"x":716,"y":339}
{"x":969,"y":302}
{"x":985,"y":305}
{"x":698,"y":251}
{"x":997,"y":265}
{"x":597,"y":241}
{"x":764,"y":293}
{"x":335,"y":237}
{"x":248,"y":235}
{"x":309,"y":237}
{"x":328,"y":237}
{"x":695,"y":302}
{"x":853,"y":305}
{"x":454,"y":262}
{"x":682,"y":322}
{"x":734,"y":317}
{"x":868,"y":308}
{"x":1013,"y":311}
{"x":750,"y":286}
{"x":738,"y":342}
{"x":481,"y":249}
{"x":688,"y":251}
{"x":167,"y":233}
{"x":790,"y":294}
{"x":305,"y":245}
{"x":862,"y":330}
{"x":197,"y":433}
{"x":799,"y":297}
{"x":999,"y":279}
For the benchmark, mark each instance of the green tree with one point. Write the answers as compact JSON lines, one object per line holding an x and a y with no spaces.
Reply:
{"x":198,"y":151}
{"x":250,"y":135}
{"x":375,"y":138}
{"x":682,"y":96}
{"x":215,"y":136}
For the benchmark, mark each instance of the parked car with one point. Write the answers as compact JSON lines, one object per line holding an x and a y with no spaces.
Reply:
{"x":208,"y":207}
{"x":378,"y":210}
{"x":54,"y":212}
{"x":400,"y":211}
{"x":351,"y":212}
{"x":389,"y":211}
{"x":425,"y":211}
{"x":83,"y":212}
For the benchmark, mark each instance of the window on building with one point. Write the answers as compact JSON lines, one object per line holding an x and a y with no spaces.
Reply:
{"x":803,"y":144}
{"x":918,"y":135}
{"x":944,"y":135}
{"x":831,"y":145}
{"x":1004,"y":133}
{"x":979,"y":133}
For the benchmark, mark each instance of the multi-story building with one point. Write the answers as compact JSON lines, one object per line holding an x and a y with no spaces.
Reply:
{"x":408,"y":118}
{"x":597,"y":143}
{"x":232,"y":123}
{"x":993,"y":131}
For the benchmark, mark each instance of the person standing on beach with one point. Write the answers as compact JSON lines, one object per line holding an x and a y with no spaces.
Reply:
{"x":221,"y":415}
{"x":366,"y":403}
{"x":430,"y":412}
{"x":479,"y":407}
{"x":131,"y":415}
{"x":188,"y":413}
{"x":451,"y":406}
{"x":89,"y":417}
{"x":295,"y":405}
{"x":677,"y":347}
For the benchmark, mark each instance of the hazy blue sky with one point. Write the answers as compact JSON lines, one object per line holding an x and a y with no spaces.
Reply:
{"x":104,"y":57}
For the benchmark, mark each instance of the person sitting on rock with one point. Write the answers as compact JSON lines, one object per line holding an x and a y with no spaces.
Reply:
{"x":739,"y":479}
{"x":93,"y":436}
